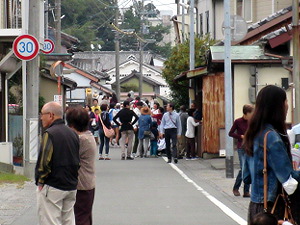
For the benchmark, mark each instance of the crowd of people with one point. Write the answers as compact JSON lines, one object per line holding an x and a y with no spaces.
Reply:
{"x":66,"y":179}
{"x":143,"y":127}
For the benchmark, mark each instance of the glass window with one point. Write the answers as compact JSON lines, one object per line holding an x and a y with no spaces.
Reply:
{"x":201,"y":24}
{"x":207,"y":21}
{"x":244,"y":9}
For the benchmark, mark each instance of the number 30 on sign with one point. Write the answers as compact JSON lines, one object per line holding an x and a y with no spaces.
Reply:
{"x":48,"y":46}
{"x":26,"y":47}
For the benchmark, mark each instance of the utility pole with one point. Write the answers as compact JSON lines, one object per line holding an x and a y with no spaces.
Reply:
{"x":141,"y":70}
{"x":141,"y":53}
{"x":117,"y":49}
{"x":296,"y":66}
{"x":228,"y":91}
{"x":46,"y":18}
{"x":183,"y":21}
{"x":32,"y":93}
{"x":58,"y":26}
{"x":192,"y":45}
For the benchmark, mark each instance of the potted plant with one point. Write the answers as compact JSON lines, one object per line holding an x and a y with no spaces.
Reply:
{"x":18,"y":151}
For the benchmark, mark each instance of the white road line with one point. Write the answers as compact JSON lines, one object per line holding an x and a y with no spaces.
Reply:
{"x":219,"y":204}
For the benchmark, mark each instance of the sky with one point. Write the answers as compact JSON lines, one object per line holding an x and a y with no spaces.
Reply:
{"x":164,"y":5}
{"x":160,"y":4}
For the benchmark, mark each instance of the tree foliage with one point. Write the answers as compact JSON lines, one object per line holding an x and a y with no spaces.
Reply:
{"x":89,"y":21}
{"x":178,"y":62}
{"x":132,"y":20}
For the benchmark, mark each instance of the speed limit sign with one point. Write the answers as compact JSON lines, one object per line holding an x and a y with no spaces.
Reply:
{"x":48,"y":46}
{"x":26,"y":47}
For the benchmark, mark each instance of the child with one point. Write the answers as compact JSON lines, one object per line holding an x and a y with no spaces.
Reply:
{"x":267,"y":219}
{"x":153,"y":142}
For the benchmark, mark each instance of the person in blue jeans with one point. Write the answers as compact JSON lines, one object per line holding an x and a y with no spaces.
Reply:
{"x":237,"y":131}
{"x":104,"y":116}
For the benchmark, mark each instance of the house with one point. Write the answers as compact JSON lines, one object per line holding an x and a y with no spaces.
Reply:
{"x":209,"y":14}
{"x":86,"y":82}
{"x":150,"y":86}
{"x":129,"y":61}
{"x":261,"y":58}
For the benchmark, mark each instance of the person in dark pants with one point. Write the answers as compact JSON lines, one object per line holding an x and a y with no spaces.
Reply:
{"x":104,"y":116}
{"x":125,"y":116}
{"x":170,"y":128}
{"x":78,"y":119}
{"x":237,"y":131}
{"x":190,"y":136}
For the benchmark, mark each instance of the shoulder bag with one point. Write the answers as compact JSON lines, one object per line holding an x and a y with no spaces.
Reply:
{"x":109,"y":133}
{"x":287,"y":209}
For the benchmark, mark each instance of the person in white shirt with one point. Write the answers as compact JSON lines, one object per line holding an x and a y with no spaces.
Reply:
{"x":137,"y":111}
{"x":190,"y":136}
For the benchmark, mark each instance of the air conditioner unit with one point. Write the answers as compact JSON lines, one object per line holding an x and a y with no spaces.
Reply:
{"x":6,"y":152}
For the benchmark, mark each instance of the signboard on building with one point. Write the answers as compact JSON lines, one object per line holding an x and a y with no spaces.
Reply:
{"x":59,"y":99}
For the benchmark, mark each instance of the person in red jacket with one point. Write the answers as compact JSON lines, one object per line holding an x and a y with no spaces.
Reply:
{"x":237,"y":131}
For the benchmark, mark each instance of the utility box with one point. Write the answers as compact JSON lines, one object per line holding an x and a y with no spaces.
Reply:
{"x":6,"y":152}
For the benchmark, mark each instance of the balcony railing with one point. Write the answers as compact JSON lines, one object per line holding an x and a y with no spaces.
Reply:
{"x":12,"y":11}
{"x":11,"y":17}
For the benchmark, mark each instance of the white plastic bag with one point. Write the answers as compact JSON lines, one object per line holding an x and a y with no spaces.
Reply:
{"x":161,"y":144}
{"x":93,"y":124}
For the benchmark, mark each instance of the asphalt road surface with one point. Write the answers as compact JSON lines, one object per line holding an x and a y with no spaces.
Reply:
{"x":149,"y":191}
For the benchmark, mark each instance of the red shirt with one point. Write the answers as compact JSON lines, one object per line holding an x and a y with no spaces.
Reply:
{"x":238,"y":128}
{"x":158,"y":117}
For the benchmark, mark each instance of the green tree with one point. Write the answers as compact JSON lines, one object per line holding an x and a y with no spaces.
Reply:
{"x":89,"y":21}
{"x":178,"y":62}
{"x":132,"y":20}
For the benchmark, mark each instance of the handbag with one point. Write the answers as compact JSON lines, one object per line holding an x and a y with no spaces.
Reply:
{"x":287,"y":209}
{"x":147,"y":133}
{"x":108,"y":132}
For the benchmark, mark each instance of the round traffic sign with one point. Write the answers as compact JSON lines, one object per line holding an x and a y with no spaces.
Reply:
{"x":26,"y":47}
{"x":48,"y":46}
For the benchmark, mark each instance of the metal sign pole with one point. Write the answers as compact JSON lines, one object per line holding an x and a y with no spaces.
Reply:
{"x":228,"y":91}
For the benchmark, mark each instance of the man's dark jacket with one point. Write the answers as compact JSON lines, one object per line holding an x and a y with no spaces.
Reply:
{"x":65,"y":159}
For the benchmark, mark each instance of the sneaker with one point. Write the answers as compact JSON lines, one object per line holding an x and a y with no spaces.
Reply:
{"x":187,"y":159}
{"x":236,"y":192}
{"x":101,"y":157}
{"x":129,"y":158}
{"x":194,"y":158}
{"x":106,"y":158}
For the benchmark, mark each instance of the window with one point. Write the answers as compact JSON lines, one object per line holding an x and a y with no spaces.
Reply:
{"x":244,"y":9}
{"x":201,"y":24}
{"x":207,"y":21}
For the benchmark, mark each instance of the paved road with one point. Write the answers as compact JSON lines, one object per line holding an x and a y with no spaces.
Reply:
{"x":149,"y":191}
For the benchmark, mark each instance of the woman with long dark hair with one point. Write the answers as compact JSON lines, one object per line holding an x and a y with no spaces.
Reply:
{"x":269,"y":115}
{"x":104,"y":116}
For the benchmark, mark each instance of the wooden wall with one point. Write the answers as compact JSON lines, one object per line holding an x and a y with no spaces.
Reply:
{"x":213,"y":112}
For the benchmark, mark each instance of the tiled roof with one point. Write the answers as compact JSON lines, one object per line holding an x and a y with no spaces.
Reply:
{"x":269,"y":18}
{"x":106,"y":60}
{"x":274,"y":34}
